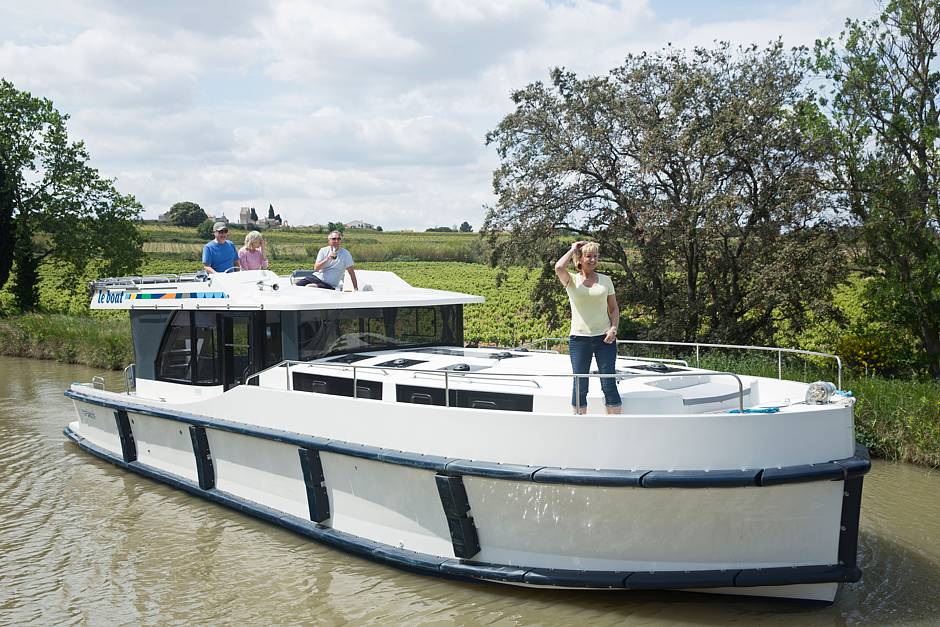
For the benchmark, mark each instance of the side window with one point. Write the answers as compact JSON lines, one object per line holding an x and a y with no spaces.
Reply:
{"x":174,"y":362}
{"x":271,"y":339}
{"x":189,"y":352}
{"x":310,"y":336}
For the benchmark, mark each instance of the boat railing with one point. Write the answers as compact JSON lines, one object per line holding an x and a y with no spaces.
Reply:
{"x":448,"y":376}
{"x":136,"y":282}
{"x":130,"y":378}
{"x":700,"y":345}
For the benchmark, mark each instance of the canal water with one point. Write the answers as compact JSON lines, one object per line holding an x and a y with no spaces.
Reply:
{"x":82,"y":542}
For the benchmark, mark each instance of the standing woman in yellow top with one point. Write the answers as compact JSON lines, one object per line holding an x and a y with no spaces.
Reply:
{"x":594,"y":319}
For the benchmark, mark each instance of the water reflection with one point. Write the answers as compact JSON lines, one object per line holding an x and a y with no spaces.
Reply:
{"x":82,"y":541}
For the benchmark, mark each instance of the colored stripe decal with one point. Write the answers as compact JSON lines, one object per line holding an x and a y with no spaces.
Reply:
{"x":176,"y":295}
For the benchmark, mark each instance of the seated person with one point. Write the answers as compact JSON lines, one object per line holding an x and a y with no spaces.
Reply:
{"x":251,"y":256}
{"x":332,"y":262}
{"x":219,"y":255}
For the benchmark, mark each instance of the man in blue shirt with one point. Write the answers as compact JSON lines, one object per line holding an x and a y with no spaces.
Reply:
{"x":219,"y":255}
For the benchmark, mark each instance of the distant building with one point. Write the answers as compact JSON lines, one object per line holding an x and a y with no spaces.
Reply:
{"x":244,"y":218}
{"x":359,"y":224}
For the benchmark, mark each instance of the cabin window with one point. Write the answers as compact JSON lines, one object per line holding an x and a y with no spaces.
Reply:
{"x":189,"y":352}
{"x":175,"y":358}
{"x":271,"y":347}
{"x":322,"y":333}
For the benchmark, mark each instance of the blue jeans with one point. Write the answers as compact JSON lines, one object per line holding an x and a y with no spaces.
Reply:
{"x":581,"y":348}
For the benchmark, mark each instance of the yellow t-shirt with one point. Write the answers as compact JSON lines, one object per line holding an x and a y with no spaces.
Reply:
{"x":589,"y":304}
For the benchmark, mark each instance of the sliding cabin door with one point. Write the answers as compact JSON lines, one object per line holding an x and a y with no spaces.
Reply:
{"x":236,"y":335}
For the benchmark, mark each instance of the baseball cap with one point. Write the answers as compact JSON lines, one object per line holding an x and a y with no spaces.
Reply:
{"x":218,"y":226}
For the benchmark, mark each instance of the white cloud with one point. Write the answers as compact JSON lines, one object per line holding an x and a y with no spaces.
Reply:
{"x":337,"y":109}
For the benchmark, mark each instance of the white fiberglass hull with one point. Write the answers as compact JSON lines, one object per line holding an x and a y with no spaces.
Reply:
{"x":667,"y":509}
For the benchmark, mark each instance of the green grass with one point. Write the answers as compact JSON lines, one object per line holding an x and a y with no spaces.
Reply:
{"x":68,"y":339}
{"x":302,"y":244}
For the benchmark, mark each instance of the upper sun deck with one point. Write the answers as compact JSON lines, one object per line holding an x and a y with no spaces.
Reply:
{"x":263,"y":289}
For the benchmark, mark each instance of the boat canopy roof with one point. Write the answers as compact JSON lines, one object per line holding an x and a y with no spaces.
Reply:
{"x":263,"y":289}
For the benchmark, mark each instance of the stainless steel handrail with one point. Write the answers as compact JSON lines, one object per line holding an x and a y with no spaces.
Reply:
{"x":130,"y":374}
{"x":699,"y":345}
{"x":287,"y":363}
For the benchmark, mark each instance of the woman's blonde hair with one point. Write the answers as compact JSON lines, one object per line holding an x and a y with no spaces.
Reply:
{"x":251,"y":238}
{"x":590,"y":247}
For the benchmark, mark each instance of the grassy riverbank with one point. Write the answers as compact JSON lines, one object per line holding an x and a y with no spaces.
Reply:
{"x":97,"y":342}
{"x":897,"y":419}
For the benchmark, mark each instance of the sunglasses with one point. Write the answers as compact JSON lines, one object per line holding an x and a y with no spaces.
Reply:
{"x":222,"y":231}
{"x":336,"y":238}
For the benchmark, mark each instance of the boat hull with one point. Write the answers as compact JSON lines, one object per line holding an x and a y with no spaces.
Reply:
{"x":788,"y":532}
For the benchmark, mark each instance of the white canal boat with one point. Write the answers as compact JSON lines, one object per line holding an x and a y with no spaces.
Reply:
{"x":360,"y":420}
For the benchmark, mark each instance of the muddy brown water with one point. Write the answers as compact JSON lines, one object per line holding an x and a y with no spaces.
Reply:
{"x":83,"y":542}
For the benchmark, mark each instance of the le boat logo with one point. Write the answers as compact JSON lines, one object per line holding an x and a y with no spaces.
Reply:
{"x":110,"y":298}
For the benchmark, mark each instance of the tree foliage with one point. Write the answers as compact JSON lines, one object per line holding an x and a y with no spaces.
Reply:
{"x":884,"y":134}
{"x":336,"y":226}
{"x":465,"y":227}
{"x":57,"y":206}
{"x":270,"y":211}
{"x":693,"y":173}
{"x":187,"y":213}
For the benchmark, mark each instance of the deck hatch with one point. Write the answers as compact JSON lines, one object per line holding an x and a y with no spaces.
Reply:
{"x":401,"y":363}
{"x":128,"y":445}
{"x":204,"y":468}
{"x":317,"y":498}
{"x":463,"y":532}
{"x":338,"y":386}
{"x":477,"y":399}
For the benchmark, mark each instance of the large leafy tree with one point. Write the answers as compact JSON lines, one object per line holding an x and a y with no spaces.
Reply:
{"x":693,"y":173}
{"x":56,"y":206}
{"x":187,"y":213}
{"x":884,"y":113}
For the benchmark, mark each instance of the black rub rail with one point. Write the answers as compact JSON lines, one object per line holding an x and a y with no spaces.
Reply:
{"x":834,"y":470}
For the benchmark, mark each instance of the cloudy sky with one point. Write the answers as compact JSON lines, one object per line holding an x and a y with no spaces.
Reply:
{"x":338,"y":110}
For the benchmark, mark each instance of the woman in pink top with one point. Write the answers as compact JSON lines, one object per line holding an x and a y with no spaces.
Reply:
{"x":251,"y":256}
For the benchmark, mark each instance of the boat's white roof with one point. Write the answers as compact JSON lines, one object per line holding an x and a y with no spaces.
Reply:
{"x":262,"y":289}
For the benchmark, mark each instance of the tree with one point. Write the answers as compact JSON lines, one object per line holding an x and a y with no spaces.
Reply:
{"x":378,"y":228}
{"x":884,"y":132}
{"x":187,"y":213}
{"x":254,"y":215}
{"x":204,"y":230}
{"x":271,"y":212}
{"x":7,"y":227}
{"x":465,"y":227}
{"x":439,"y":229}
{"x":692,"y":172}
{"x":57,"y":206}
{"x":336,"y":226}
